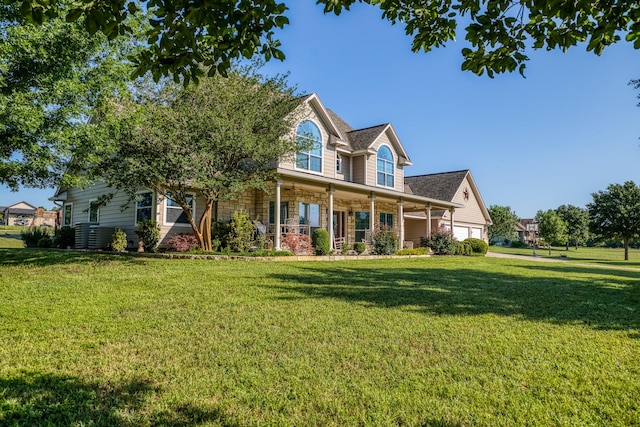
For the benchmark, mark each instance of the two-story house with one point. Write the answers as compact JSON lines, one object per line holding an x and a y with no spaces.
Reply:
{"x":350,"y":182}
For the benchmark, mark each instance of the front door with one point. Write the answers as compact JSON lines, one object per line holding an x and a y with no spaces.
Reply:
{"x":339,"y":224}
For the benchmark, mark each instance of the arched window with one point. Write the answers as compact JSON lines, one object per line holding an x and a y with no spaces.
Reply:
{"x":309,"y":136}
{"x":385,"y":166}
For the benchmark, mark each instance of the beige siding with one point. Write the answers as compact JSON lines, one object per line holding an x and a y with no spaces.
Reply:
{"x":359,"y":166}
{"x":372,"y":165}
{"x":471,"y":213}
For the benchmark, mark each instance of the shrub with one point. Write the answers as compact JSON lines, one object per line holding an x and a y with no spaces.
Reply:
{"x":241,"y":232}
{"x":297,"y":243}
{"x":478,"y":246}
{"x":385,"y":242}
{"x":320,"y":241}
{"x":45,"y":242}
{"x":518,"y":244}
{"x":119,"y":241}
{"x":149,"y":234}
{"x":65,"y":237}
{"x":414,"y":251}
{"x":182,"y":243}
{"x":463,"y":248}
{"x":33,"y":236}
{"x":219,"y":235}
{"x":345,"y":248}
{"x":441,"y":242}
{"x":424,"y":242}
{"x":359,"y":247}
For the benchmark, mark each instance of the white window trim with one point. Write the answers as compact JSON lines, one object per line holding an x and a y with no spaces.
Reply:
{"x":394,"y":167}
{"x":135,"y":205}
{"x":64,"y":215}
{"x":339,"y":161}
{"x":178,"y":224}
{"x":89,"y":212}
{"x":322,"y":153}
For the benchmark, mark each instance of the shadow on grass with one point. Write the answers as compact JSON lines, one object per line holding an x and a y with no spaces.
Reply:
{"x":46,"y":257}
{"x":53,"y":400}
{"x":600,"y":298}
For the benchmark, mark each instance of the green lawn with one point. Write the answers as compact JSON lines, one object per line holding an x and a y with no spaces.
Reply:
{"x":90,"y":339}
{"x":606,"y":256}
{"x":10,"y":237}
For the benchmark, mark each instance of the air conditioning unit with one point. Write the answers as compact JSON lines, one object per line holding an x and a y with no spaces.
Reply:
{"x":82,"y":234}
{"x":100,"y":237}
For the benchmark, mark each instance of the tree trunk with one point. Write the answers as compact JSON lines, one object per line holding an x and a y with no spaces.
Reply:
{"x":549,"y":246}
{"x":567,"y":245}
{"x":204,"y":227}
{"x":626,"y":248}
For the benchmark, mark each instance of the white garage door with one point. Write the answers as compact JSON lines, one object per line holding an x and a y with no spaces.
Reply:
{"x":476,"y":232}
{"x":460,"y":233}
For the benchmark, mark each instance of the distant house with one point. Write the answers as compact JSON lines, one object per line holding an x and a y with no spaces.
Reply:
{"x":471,"y":219}
{"x":527,"y":230}
{"x":350,"y":182}
{"x":25,"y":214}
{"x":21,"y":213}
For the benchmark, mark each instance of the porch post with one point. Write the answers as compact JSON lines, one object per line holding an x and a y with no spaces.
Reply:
{"x":428,"y":233}
{"x":401,"y":223}
{"x":372,"y":214}
{"x":330,"y":190}
{"x":452,"y":210}
{"x":278,"y":229}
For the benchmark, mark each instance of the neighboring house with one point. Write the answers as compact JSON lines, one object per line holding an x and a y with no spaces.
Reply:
{"x":351,"y":182}
{"x":21,"y":213}
{"x":27,"y":215}
{"x":527,"y":230}
{"x":470,"y":220}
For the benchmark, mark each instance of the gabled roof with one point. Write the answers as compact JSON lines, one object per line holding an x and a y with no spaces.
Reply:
{"x":355,"y":140}
{"x":442,"y":186}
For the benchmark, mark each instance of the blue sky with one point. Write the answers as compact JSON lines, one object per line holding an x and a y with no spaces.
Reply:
{"x":567,"y":130}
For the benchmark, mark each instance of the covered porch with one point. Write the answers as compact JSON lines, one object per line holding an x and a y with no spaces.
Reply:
{"x":350,"y":212}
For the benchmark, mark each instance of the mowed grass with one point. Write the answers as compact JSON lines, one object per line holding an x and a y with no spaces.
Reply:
{"x":90,"y":339}
{"x":605,"y":256}
{"x":10,"y":237}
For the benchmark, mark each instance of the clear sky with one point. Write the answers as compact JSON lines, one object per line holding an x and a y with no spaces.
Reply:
{"x":568,"y":129}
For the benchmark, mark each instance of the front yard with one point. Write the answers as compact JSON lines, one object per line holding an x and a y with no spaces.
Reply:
{"x":89,"y":339}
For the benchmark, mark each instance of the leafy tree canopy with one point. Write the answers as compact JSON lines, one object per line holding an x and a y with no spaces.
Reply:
{"x":504,"y":223}
{"x":217,"y":139}
{"x":615,"y":213}
{"x":551,"y":227}
{"x":186,"y":34}
{"x":51,"y":77}
{"x":577,"y":220}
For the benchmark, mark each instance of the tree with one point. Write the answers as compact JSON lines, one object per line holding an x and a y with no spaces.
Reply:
{"x":615,"y":213}
{"x":577,"y":220}
{"x":51,"y":77}
{"x":186,"y":35}
{"x":504,"y":222}
{"x":551,"y":227}
{"x":217,"y":139}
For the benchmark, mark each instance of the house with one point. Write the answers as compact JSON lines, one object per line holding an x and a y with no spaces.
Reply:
{"x":527,"y":231}
{"x":21,"y":213}
{"x":350,"y":182}
{"x":26,"y":214}
{"x":471,"y":220}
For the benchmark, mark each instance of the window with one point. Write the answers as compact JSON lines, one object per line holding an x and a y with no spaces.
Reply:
{"x":338,"y":163}
{"x":174,"y":214}
{"x":94,"y":211}
{"x":310,"y":215}
{"x":284,"y":212}
{"x":385,"y":166}
{"x":386,"y":220}
{"x":67,"y":215}
{"x":309,"y":135}
{"x":144,"y":205}
{"x":362,"y":225}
